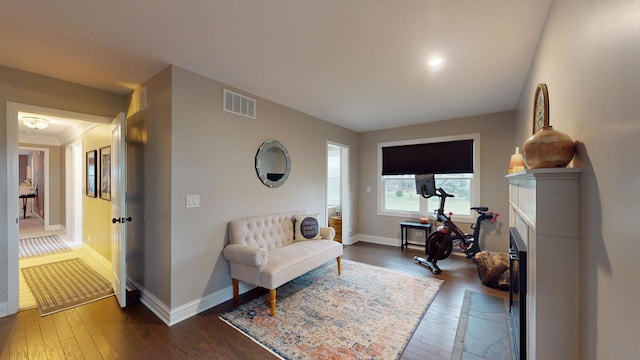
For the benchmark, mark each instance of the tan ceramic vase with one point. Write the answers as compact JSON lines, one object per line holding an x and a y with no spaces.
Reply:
{"x":548,"y":148}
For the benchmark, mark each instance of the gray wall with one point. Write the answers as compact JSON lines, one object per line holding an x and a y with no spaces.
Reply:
{"x":589,"y":56}
{"x":149,"y":165}
{"x":496,"y":134}
{"x":23,"y":87}
{"x":211,"y":153}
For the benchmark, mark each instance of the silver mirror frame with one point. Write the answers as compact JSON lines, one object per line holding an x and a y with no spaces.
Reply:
{"x":262,"y":175}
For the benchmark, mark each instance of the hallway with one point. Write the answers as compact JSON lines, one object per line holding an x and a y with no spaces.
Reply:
{"x":34,"y":227}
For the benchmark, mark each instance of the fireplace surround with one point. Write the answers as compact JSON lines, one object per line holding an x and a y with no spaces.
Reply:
{"x":543,"y":209}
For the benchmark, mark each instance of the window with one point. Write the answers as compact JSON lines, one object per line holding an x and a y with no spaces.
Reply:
{"x":333,"y":176}
{"x":397,"y":193}
{"x":400,"y":193}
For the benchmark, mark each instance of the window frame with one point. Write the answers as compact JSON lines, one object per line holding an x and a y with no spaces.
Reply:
{"x":475,"y":179}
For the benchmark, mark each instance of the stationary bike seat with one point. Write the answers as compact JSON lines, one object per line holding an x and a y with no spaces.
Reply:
{"x":480,"y":208}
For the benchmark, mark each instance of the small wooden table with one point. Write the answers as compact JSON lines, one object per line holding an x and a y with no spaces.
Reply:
{"x":413,"y":225}
{"x":336,"y":223}
{"x":25,"y":198}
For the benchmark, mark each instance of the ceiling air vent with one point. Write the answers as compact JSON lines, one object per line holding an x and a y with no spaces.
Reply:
{"x":239,"y":104}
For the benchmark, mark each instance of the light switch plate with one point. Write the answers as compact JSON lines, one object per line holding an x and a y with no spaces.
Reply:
{"x":193,"y":201}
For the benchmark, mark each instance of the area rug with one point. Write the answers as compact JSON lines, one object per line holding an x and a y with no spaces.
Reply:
{"x":41,"y":245}
{"x":65,"y":284}
{"x":483,"y":329}
{"x":368,"y":312}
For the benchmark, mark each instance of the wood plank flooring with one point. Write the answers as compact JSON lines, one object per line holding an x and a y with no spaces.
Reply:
{"x":101,"y":330}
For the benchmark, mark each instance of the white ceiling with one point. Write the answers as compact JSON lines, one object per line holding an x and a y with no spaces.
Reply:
{"x":59,"y":131}
{"x":357,"y":63}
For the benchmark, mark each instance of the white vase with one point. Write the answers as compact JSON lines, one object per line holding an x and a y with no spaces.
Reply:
{"x":516,"y":162}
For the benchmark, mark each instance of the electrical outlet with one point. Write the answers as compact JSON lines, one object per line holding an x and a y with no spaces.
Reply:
{"x":419,"y":233}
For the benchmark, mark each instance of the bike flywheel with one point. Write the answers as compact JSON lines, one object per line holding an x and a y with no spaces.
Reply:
{"x":438,"y":247}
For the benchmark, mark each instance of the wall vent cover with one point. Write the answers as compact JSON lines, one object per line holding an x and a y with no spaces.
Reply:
{"x":239,"y":104}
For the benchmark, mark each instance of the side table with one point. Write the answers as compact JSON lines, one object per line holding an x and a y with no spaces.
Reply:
{"x":413,"y":225}
{"x":336,"y":223}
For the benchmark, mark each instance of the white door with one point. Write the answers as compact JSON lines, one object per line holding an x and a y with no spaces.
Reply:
{"x":118,"y":209}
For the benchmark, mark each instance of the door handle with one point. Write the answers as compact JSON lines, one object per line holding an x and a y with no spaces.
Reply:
{"x":121,"y":220}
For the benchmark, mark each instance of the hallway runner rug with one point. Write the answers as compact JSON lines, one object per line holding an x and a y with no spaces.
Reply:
{"x":65,"y":284}
{"x":41,"y":245}
{"x":368,"y":312}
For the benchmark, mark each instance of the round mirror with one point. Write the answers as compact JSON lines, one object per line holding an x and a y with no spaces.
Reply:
{"x":273,"y":163}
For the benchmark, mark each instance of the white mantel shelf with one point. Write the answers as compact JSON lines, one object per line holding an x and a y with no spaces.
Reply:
{"x":543,"y":207}
{"x":545,"y":172}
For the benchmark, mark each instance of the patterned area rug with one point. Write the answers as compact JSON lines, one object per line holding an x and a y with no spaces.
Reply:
{"x":65,"y":284}
{"x":366,"y":313}
{"x":42,"y":245}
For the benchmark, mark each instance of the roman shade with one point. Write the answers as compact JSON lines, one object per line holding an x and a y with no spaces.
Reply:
{"x":449,"y":157}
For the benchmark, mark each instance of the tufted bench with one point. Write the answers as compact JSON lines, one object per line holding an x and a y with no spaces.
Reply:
{"x":262,"y":251}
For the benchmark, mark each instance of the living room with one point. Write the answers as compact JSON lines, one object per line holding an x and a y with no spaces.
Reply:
{"x":587,"y":55}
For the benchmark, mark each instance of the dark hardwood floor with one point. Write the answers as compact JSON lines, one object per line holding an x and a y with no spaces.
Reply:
{"x":101,"y":330}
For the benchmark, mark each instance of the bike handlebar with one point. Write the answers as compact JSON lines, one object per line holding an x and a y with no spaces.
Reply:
{"x":444,"y":193}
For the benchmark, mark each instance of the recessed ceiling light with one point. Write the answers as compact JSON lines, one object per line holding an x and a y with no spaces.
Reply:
{"x":436,"y":61}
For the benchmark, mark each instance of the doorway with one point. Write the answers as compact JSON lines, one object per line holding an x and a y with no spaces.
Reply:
{"x":338,"y":208}
{"x":34,"y":179}
{"x":68,"y":224}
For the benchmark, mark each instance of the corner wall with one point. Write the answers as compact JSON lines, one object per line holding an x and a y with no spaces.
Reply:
{"x":588,"y":56}
{"x":213,"y":155}
{"x":149,"y":165}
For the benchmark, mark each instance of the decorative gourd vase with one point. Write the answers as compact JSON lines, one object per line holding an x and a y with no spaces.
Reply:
{"x":516,"y":162}
{"x":548,"y":148}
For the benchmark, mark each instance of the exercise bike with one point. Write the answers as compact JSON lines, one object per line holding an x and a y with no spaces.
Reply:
{"x":440,"y":243}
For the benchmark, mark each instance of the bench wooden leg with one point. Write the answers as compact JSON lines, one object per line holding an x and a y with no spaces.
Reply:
{"x":236,"y":290}
{"x":339,"y":268}
{"x":272,"y":301}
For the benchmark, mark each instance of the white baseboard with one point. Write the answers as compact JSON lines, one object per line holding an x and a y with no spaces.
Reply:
{"x":197,"y":306}
{"x":54,"y":227}
{"x":382,"y":241}
{"x":350,"y":241}
{"x":379,"y":240}
{"x":154,"y":304}
{"x":172,"y":316}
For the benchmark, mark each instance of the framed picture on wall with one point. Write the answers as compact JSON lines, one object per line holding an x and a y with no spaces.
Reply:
{"x":91,"y":174}
{"x":105,"y":173}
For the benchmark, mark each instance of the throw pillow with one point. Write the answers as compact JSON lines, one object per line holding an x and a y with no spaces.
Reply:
{"x":307,"y":227}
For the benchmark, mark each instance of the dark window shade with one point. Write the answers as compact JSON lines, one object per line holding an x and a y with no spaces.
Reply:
{"x":450,"y":157}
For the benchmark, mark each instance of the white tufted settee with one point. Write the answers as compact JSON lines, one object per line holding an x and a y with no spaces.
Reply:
{"x":262,"y":251}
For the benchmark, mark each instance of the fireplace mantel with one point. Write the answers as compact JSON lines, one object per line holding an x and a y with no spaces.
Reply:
{"x":543,"y":207}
